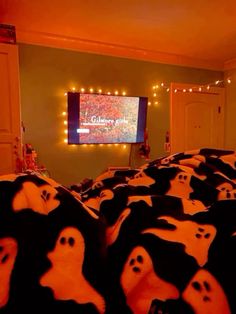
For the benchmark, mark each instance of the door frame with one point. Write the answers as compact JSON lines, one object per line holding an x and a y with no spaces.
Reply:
{"x":10,"y":131}
{"x":194,"y":88}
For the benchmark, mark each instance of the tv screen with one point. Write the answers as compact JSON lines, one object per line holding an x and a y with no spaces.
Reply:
{"x":104,"y":119}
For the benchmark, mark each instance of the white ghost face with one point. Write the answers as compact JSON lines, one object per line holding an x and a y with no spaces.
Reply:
{"x":196,"y":238}
{"x":227,"y":195}
{"x":65,"y":277}
{"x":205,"y":295}
{"x":141,"y":179}
{"x":180,"y":185}
{"x":141,"y":284}
{"x":225,"y":186}
{"x":41,"y":199}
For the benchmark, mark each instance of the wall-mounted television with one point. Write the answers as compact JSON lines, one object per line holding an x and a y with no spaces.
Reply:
{"x":105,"y":119}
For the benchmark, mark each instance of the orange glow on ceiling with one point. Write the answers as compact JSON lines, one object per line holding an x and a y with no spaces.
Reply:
{"x":184,"y":32}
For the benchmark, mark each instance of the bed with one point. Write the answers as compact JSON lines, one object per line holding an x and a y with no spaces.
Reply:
{"x":157,"y":239}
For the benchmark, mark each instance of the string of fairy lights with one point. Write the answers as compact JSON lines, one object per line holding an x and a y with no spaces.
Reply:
{"x":153,"y":100}
{"x":194,"y":88}
{"x":96,"y":91}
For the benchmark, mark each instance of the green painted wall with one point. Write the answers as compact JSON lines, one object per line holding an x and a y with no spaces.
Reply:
{"x":46,"y":73}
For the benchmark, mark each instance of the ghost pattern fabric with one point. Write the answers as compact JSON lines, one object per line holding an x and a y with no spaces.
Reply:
{"x":51,"y":249}
{"x":205,"y":294}
{"x":154,"y":240}
{"x":8,"y":252}
{"x":65,"y":278}
{"x":171,"y":233}
{"x":138,"y":270}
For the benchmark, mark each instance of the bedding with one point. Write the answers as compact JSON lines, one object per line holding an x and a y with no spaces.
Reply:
{"x":157,"y":239}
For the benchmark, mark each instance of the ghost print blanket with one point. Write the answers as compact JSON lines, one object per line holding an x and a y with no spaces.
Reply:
{"x":157,"y":239}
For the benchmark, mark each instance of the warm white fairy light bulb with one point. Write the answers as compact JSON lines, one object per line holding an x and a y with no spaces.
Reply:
{"x":65,"y":94}
{"x":123,"y":93}
{"x":192,"y":89}
{"x":64,"y":113}
{"x":73,"y":88}
{"x":116,"y":92}
{"x":100,"y":91}
{"x":82,"y":90}
{"x":149,"y":103}
{"x":66,"y":131}
{"x":65,"y":122}
{"x":91,"y":90}
{"x":109,"y":93}
{"x":65,"y":140}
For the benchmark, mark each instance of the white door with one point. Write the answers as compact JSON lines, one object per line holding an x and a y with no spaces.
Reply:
{"x":10,"y":129}
{"x":196,"y":117}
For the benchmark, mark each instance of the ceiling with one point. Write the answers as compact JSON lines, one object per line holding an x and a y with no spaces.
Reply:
{"x":198,"y":33}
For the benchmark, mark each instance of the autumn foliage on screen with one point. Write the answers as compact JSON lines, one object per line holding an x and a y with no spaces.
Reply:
{"x":95,"y":118}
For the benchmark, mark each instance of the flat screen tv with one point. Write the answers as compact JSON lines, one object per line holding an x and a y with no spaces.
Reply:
{"x":105,"y":119}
